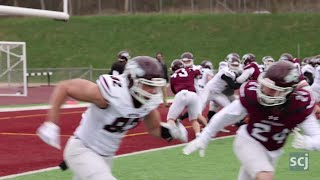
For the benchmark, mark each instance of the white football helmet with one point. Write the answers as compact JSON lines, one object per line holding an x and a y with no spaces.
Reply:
{"x":267,"y":62}
{"x":234,"y":64}
{"x":187,"y":59}
{"x":144,"y":72}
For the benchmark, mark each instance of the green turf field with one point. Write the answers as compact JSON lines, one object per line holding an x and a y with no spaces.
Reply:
{"x":219,"y":164}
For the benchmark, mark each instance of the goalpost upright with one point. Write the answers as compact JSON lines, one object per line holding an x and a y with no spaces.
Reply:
{"x":13,"y":69}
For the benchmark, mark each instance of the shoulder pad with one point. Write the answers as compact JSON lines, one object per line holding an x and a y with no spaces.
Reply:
{"x":302,"y":100}
{"x":112,"y":86}
{"x":207,"y":71}
{"x":249,"y":66}
{"x":248,"y":93}
{"x":195,"y":67}
{"x":307,"y":68}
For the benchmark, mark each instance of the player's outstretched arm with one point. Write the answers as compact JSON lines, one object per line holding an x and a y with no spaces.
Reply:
{"x":227,"y":116}
{"x":310,"y":140}
{"x":78,"y":89}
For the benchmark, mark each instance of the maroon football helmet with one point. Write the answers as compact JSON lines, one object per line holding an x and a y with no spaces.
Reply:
{"x":206,"y":64}
{"x":276,"y":83}
{"x":144,"y":71}
{"x":248,"y":58}
{"x":176,"y":64}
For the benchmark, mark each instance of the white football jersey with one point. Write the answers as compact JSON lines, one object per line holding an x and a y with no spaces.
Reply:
{"x":216,"y":84}
{"x":203,"y":80}
{"x":103,"y":129}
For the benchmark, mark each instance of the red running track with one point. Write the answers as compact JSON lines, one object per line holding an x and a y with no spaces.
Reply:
{"x":21,"y":149}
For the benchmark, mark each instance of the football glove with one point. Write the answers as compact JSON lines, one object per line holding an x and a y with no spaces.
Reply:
{"x":49,"y":132}
{"x":196,"y":144}
{"x":300,"y":141}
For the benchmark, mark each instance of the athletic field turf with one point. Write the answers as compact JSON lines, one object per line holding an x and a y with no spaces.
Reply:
{"x":169,"y":163}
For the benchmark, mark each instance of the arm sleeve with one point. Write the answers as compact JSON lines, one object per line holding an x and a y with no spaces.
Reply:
{"x":227,"y":116}
{"x":230,"y":82}
{"x":245,"y":75}
{"x":311,"y":129}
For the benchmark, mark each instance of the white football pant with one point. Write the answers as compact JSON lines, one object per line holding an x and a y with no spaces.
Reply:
{"x":85,"y":163}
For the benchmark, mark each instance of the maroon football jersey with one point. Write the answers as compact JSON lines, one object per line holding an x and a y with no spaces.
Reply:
{"x":256,"y":72}
{"x":183,"y":79}
{"x":271,"y":125}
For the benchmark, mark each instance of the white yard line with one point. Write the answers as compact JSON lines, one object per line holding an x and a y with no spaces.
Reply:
{"x":41,"y":107}
{"x":119,"y":156}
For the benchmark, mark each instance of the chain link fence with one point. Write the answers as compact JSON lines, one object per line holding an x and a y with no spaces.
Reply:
{"x":51,"y":76}
{"x":98,"y":7}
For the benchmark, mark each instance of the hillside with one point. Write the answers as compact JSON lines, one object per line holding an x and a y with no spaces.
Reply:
{"x":95,"y":40}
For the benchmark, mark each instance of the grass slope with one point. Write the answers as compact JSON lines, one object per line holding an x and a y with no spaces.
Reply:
{"x":95,"y":40}
{"x":220,"y":164}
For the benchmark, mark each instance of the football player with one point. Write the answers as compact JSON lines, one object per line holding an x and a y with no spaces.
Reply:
{"x":117,"y":68}
{"x":220,"y":88}
{"x":182,"y":85}
{"x":276,"y":106}
{"x":267,"y":62}
{"x":309,"y":67}
{"x":118,"y":103}
{"x":206,"y":69}
{"x":251,"y":69}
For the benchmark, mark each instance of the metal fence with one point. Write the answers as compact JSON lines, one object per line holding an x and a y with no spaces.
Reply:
{"x":95,"y":7}
{"x":50,"y":76}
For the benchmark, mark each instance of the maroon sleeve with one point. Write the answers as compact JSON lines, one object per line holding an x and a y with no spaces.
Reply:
{"x":256,"y":72}
{"x":198,"y":73}
{"x":248,"y":93}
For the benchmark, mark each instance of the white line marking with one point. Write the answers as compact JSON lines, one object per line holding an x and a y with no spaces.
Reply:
{"x":42,"y":107}
{"x":119,"y":156}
